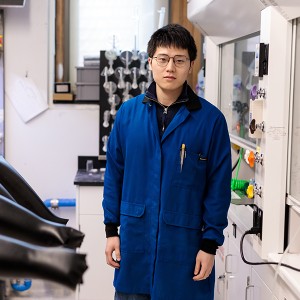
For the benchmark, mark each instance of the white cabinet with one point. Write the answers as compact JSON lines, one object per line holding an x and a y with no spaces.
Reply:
{"x":237,"y":277}
{"x":260,"y":290}
{"x":238,"y":280}
{"x":238,"y":274}
{"x":98,"y":279}
{"x":233,"y":276}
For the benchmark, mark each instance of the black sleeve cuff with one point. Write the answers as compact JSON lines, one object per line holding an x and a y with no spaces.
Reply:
{"x":209,"y":246}
{"x":111,"y":230}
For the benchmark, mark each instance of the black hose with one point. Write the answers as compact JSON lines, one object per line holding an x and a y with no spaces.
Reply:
{"x":237,"y":161}
{"x":235,"y":165}
{"x":262,"y":262}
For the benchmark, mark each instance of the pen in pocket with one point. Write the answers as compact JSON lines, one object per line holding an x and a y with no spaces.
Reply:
{"x":182,"y":155}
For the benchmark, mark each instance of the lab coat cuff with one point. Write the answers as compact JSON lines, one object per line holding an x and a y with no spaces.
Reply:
{"x":209,"y":246}
{"x":111,"y":230}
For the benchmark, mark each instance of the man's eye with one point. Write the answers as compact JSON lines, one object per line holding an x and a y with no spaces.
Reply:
{"x":162,"y":59}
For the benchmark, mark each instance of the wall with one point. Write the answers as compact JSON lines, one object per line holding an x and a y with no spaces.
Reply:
{"x":45,"y":149}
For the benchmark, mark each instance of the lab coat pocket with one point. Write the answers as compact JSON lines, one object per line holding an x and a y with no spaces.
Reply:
{"x":132,"y":229}
{"x":191,"y":171}
{"x":182,"y":233}
{"x":182,"y":220}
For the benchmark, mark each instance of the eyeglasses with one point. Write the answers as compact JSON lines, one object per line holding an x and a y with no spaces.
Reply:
{"x":163,"y":60}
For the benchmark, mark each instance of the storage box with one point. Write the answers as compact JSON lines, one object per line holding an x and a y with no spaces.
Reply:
{"x":87,"y":91}
{"x":88,"y":74}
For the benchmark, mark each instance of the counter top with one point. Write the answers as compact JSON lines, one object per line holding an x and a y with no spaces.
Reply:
{"x":95,"y":177}
{"x":291,"y":277}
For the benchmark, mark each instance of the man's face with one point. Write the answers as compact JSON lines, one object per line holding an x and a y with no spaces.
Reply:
{"x":167,"y":74}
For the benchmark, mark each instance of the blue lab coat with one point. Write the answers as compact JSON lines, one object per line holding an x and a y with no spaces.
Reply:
{"x":164,"y":211}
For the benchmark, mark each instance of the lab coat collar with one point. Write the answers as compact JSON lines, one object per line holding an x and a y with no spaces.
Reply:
{"x":187,"y":96}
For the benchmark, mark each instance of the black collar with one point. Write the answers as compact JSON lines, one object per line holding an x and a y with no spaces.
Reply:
{"x":187,"y":96}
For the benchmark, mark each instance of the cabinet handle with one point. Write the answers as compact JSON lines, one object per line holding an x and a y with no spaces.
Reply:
{"x":220,"y":278}
{"x":246,"y":291}
{"x":226,"y":260}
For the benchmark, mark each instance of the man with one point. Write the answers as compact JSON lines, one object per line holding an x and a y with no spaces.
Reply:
{"x":167,"y":182}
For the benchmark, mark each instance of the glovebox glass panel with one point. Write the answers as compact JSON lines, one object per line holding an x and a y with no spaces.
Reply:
{"x":237,"y":79}
{"x":295,"y":138}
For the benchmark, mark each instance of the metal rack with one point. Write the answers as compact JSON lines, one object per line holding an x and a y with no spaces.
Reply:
{"x":122,"y":76}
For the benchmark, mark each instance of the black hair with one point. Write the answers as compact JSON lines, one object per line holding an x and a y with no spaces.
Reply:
{"x":172,"y":35}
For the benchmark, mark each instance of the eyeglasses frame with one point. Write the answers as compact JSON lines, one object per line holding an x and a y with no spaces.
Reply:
{"x":173,"y":57}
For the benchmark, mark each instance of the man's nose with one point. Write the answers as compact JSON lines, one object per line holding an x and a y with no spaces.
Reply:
{"x":171,"y":64}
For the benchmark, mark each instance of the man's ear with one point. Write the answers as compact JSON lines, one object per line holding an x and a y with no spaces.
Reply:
{"x":150,"y":63}
{"x":191,"y":67}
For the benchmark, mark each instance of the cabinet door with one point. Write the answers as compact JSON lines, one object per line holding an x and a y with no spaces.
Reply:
{"x":98,"y":279}
{"x":237,"y":274}
{"x":89,"y":199}
{"x":220,"y":285}
{"x":260,"y":289}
